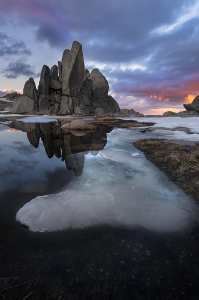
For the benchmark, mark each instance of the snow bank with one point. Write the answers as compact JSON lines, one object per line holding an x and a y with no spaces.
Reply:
{"x":171,"y":125}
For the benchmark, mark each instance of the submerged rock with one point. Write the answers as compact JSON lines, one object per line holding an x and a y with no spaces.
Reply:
{"x":79,"y":125}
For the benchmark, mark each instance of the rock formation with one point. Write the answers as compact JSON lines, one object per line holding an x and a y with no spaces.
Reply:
{"x":194,"y":106}
{"x":125,"y":112}
{"x":68,"y":88}
{"x":65,"y":145}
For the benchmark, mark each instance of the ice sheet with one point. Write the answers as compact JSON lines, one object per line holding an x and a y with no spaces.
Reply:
{"x":119,"y":187}
{"x":38,"y":119}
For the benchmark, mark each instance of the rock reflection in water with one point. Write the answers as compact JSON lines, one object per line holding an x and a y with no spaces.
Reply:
{"x":68,"y":146}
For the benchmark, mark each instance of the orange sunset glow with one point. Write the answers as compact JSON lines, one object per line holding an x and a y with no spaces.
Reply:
{"x":189,"y":98}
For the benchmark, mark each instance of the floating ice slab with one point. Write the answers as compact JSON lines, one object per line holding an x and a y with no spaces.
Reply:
{"x":38,"y":119}
{"x":118,"y":188}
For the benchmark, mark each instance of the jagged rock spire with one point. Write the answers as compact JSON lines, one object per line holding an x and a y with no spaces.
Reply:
{"x":69,"y":88}
{"x":73,"y":70}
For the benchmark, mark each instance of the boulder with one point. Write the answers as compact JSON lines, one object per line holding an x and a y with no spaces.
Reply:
{"x":54,"y":73}
{"x":44,"y":89}
{"x":79,"y":124}
{"x":100,"y":84}
{"x":66,"y":107}
{"x":60,"y":70}
{"x":55,"y":84}
{"x":126,"y":112}
{"x":106,"y":105}
{"x":30,"y":89}
{"x":73,"y":70}
{"x":44,"y":83}
{"x":112,"y":104}
{"x":169,"y":114}
{"x":84,"y":106}
{"x":194,"y":106}
{"x":24,"y":105}
{"x":54,"y":102}
{"x":44,"y":104}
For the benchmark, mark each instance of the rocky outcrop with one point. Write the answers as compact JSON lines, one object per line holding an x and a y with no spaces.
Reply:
{"x":169,"y":114}
{"x":100,"y":84}
{"x":125,"y":112}
{"x":179,"y":161}
{"x":194,"y":106}
{"x":24,"y":105}
{"x":44,"y":90}
{"x":69,"y":88}
{"x":73,"y":70}
{"x":184,"y":113}
{"x":30,"y":91}
{"x":102,"y":102}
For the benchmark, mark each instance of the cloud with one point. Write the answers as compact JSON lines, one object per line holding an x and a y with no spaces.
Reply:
{"x":51,"y":34}
{"x":189,"y":13}
{"x":12,"y":47}
{"x":147,"y":49}
{"x":17,"y":69}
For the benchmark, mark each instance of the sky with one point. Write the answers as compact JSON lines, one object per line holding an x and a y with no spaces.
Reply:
{"x":148,"y":49}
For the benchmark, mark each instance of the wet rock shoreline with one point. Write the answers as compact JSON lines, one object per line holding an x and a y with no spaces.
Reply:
{"x":180,"y":161}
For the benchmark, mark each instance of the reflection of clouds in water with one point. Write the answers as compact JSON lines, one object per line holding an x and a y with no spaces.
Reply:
{"x":116,"y":189}
{"x":38,"y":119}
{"x":27,"y":153}
{"x":21,"y":165}
{"x":23,"y":148}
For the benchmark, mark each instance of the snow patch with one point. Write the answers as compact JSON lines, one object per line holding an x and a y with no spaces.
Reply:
{"x":171,"y":127}
{"x":191,"y":123}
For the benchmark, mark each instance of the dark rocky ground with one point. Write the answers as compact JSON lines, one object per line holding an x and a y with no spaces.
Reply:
{"x":99,"y":263}
{"x":180,"y":161}
{"x":96,"y":263}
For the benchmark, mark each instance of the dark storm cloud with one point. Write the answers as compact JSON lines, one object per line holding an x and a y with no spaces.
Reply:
{"x":123,"y":32}
{"x":51,"y":34}
{"x":9,"y":46}
{"x":17,"y":69}
{"x":112,"y":26}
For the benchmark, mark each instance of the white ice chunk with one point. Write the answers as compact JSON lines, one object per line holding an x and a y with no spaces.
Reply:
{"x":38,"y":119}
